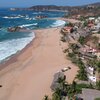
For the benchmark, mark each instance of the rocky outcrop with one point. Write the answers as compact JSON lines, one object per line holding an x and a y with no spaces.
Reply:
{"x":15,"y":29}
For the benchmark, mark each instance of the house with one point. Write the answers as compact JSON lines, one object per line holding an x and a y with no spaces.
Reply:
{"x":91,"y":70}
{"x":97,"y":27}
{"x":88,"y":49}
{"x":91,"y":25}
{"x":91,"y":74}
{"x":92,"y":79}
{"x":89,"y":94}
{"x":88,"y":52}
{"x":67,"y":29}
{"x":91,"y":18}
{"x":97,"y":21}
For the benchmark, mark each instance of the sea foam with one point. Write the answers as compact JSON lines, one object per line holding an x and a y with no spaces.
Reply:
{"x":27,"y":25}
{"x":58,"y":23}
{"x":6,"y":17}
{"x":11,"y":47}
{"x":13,"y":17}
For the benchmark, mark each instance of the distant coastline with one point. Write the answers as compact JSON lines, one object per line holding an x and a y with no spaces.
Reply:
{"x":55,"y":8}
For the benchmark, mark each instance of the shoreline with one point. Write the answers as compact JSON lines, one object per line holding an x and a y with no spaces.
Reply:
{"x":13,"y":57}
{"x":8,"y":60}
{"x":33,"y":68}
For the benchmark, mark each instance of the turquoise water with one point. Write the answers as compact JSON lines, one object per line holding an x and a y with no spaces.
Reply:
{"x":11,"y":43}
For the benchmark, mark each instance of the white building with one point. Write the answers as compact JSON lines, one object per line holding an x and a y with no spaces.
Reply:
{"x":91,"y":76}
{"x":91,"y":18}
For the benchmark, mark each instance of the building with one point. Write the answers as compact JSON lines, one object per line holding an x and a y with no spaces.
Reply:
{"x":89,"y":94}
{"x":67,"y":29}
{"x":91,"y":74}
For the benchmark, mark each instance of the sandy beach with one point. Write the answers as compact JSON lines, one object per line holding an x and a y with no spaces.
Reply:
{"x":28,"y":75}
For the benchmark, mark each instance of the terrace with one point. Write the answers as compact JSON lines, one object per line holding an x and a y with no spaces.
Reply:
{"x":89,"y":94}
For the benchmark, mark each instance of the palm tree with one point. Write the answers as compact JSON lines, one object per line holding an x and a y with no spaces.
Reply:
{"x":80,"y":63}
{"x":46,"y":97}
{"x":74,"y":86}
{"x":98,"y":85}
{"x":98,"y":46}
{"x":81,"y":40}
{"x":92,"y":62}
{"x":72,"y":90}
{"x":74,"y":47}
{"x":62,"y":82}
{"x":98,"y":70}
{"x":55,"y":96}
{"x":82,"y":74}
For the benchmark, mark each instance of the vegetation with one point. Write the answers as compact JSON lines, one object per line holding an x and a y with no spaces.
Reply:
{"x":85,"y":24}
{"x":81,"y":40}
{"x":64,"y":89}
{"x":82,"y":18}
{"x":46,"y":97}
{"x":98,"y":66}
{"x":98,"y":85}
{"x":82,"y":74}
{"x":63,"y":39}
{"x":74,"y":47}
{"x":82,"y":85}
{"x":71,"y":55}
{"x":72,"y":90}
{"x":97,"y":98}
{"x":92,"y":62}
{"x":70,"y":24}
{"x":98,"y":46}
{"x":57,"y":95}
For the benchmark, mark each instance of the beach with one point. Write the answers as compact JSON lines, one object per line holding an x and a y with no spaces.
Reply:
{"x":29,"y":74}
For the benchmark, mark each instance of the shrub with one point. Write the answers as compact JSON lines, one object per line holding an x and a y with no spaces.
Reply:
{"x":81,"y":40}
{"x":97,"y":98}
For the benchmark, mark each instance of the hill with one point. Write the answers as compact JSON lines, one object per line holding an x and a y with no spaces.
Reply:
{"x":89,"y":9}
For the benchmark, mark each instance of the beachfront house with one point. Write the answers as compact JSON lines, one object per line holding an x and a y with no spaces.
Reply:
{"x":97,"y":27}
{"x":91,"y":18}
{"x":89,"y":94}
{"x":67,"y":29}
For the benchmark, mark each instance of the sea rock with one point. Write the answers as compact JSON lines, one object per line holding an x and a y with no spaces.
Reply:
{"x":15,"y":29}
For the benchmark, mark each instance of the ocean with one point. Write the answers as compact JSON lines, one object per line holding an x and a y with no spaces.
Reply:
{"x":13,"y":42}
